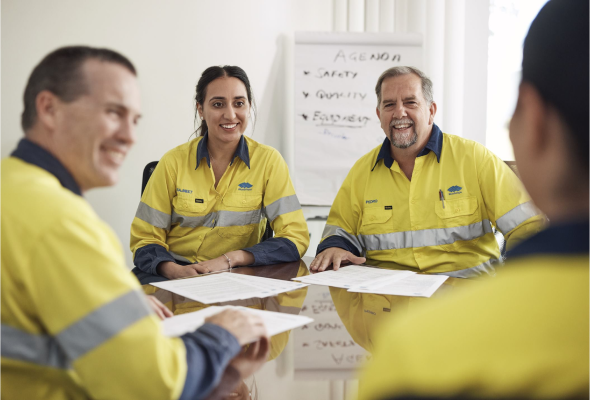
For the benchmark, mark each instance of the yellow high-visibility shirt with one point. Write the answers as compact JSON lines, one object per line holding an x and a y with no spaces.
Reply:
{"x":523,"y":334}
{"x":75,"y":323}
{"x":441,"y":220}
{"x":183,"y":213}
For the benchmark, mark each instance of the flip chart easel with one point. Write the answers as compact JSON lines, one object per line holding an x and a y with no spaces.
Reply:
{"x":335,"y":102}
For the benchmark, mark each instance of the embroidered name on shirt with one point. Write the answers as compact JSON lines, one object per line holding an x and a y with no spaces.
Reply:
{"x":370,"y":201}
{"x":245,"y":186}
{"x":389,"y":207}
{"x":183,"y":190}
{"x":199,"y":201}
{"x":455,"y":189}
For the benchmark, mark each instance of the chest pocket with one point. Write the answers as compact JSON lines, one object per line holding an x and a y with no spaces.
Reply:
{"x":463,"y":207}
{"x":458,"y":212}
{"x":187,"y":203}
{"x":376,"y":220}
{"x":240,"y":213}
{"x":242,"y":201}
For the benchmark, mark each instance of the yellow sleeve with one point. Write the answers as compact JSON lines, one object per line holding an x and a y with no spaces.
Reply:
{"x":98,"y":314}
{"x":508,"y":205}
{"x":281,"y":205}
{"x":344,"y":220}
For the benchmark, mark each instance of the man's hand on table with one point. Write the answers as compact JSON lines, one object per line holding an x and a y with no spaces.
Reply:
{"x":334,"y":256}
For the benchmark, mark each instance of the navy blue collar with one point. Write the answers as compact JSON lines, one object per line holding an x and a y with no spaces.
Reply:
{"x":34,"y":154}
{"x":242,"y":152}
{"x":434,"y":144}
{"x":566,"y":238}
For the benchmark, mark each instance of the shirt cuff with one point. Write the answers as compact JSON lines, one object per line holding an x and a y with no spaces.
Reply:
{"x":275,"y":250}
{"x":148,"y":257}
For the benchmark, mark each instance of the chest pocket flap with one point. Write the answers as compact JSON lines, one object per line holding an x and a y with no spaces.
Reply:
{"x":456,"y":207}
{"x":376,"y":215}
{"x":187,"y":202}
{"x":240,"y":200}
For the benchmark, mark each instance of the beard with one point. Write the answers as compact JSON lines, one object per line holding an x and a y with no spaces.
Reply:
{"x":402,"y":140}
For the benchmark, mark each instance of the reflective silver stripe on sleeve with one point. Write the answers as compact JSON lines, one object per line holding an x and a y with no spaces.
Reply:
{"x":487,"y":268}
{"x":179,"y":257}
{"x":152,"y":216}
{"x":333,"y":230}
{"x":193,"y":222}
{"x":34,"y":348}
{"x":282,"y":206}
{"x":426,"y":237}
{"x":516,"y":216}
{"x":102,"y":324}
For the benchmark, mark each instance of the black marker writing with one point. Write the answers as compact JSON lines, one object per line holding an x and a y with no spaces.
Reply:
{"x":333,"y":73}
{"x":321,"y":94}
{"x":364,"y":56}
{"x":346,"y":120}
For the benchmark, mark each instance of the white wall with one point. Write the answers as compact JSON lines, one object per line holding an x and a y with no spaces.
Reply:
{"x":171,"y":43}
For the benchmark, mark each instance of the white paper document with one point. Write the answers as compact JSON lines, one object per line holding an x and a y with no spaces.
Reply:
{"x":275,"y":322}
{"x":226,"y":286}
{"x":412,"y":285}
{"x":352,"y":276}
{"x":362,"y":279}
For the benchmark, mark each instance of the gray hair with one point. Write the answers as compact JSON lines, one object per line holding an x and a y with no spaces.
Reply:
{"x":398,"y":71}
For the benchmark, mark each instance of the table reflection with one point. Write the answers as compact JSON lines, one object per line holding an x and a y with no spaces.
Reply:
{"x":363,"y":313}
{"x":327,"y":351}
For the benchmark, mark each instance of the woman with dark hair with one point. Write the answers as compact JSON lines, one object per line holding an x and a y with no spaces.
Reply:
{"x":206,"y":205}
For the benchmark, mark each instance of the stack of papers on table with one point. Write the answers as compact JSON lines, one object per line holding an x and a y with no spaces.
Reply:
{"x":361,"y":279}
{"x":275,"y":322}
{"x":216,"y":288}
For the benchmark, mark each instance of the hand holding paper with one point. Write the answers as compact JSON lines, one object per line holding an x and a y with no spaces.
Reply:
{"x":246,"y":327}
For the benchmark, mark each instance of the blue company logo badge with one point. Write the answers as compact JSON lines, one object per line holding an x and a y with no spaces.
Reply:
{"x":245,"y":186}
{"x":370,"y":201}
{"x":455,"y":189}
{"x":183,"y":190}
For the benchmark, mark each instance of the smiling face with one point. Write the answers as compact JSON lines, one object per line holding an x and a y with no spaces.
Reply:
{"x":406,"y":117}
{"x":226,"y":109}
{"x":94,"y":133}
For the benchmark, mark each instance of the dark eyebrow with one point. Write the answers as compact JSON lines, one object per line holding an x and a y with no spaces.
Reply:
{"x":116,"y":105}
{"x":410,"y":98}
{"x":223,"y":98}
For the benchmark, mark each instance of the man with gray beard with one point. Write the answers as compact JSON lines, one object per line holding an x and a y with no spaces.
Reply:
{"x":424,"y":199}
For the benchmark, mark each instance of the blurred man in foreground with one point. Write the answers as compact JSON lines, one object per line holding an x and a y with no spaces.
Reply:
{"x":525,"y":334}
{"x":75,"y":323}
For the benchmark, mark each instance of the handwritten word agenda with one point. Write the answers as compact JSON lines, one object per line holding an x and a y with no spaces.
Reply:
{"x":364,"y":56}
